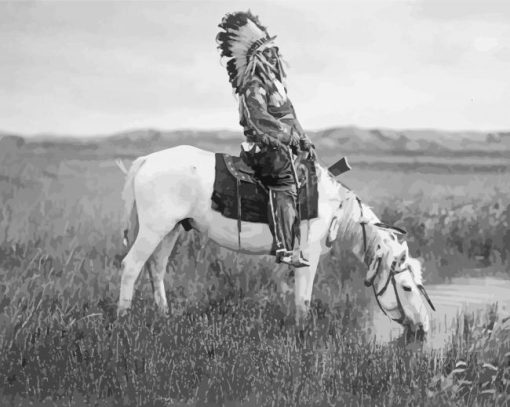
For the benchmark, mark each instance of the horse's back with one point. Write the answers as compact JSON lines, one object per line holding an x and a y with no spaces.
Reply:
{"x":175,"y":177}
{"x":183,"y":160}
{"x":180,"y":156}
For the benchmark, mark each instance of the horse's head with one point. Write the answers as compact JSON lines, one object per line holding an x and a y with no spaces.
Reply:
{"x":397,"y":283}
{"x":395,"y":277}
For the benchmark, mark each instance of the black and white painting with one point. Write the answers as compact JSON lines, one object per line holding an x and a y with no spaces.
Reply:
{"x":265,"y":203}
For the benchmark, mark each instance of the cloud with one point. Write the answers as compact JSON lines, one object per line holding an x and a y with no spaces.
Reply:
{"x":486,"y":44}
{"x":478,"y":10}
{"x":92,"y":67}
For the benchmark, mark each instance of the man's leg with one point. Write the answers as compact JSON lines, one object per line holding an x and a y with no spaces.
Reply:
{"x":276,"y":230}
{"x":275,"y":170}
{"x":284,"y":214}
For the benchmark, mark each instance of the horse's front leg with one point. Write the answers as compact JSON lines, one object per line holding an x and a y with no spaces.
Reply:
{"x":303,"y":285}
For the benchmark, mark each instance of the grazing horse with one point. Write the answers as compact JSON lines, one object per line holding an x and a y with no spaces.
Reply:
{"x":172,"y":188}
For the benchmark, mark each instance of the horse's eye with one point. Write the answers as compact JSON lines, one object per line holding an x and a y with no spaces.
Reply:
{"x":406,"y":288}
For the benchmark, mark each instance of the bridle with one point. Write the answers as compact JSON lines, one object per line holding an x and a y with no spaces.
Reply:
{"x":391,"y":278}
{"x":391,"y":275}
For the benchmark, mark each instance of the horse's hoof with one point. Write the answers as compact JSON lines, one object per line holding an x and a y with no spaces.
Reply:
{"x":122,"y":312}
{"x":164,"y":311}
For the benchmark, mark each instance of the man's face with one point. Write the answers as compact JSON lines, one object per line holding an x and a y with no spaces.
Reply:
{"x":271,"y":55}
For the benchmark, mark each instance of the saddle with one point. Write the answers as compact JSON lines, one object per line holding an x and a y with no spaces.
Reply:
{"x":239,"y":194}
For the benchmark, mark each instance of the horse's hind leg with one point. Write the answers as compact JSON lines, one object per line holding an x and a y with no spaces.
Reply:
{"x":160,"y":260}
{"x":144,"y":245}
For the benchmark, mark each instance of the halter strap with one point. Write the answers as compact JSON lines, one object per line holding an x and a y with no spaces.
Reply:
{"x":391,"y":278}
{"x":392,"y":271}
{"x":391,"y":275}
{"x":399,"y":304}
{"x":363,"y":223}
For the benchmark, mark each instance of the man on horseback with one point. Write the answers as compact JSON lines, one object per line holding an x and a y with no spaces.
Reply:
{"x":273,"y":133}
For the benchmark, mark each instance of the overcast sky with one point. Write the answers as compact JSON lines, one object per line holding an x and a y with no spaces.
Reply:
{"x":88,"y":68}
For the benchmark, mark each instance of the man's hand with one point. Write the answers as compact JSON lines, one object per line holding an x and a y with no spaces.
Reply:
{"x":312,"y":155}
{"x":294,"y":141}
{"x":273,"y":142}
{"x":306,"y":145}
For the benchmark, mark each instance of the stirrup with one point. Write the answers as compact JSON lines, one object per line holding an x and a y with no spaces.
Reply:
{"x":300,"y":261}
{"x":283,"y":256}
{"x":292,"y":259}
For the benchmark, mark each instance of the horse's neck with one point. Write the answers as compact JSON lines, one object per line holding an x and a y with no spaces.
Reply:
{"x":361,"y":240}
{"x":356,"y":234}
{"x":359,"y":234}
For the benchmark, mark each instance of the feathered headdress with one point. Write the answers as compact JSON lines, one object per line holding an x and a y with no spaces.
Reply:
{"x":242,"y":41}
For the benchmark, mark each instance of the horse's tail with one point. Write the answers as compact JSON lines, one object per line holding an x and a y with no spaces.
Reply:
{"x":128,"y":195}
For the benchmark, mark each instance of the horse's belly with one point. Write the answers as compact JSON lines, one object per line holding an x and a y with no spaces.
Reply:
{"x":255,"y":238}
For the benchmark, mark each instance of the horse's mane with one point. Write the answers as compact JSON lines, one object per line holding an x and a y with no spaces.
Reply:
{"x":331,"y":185}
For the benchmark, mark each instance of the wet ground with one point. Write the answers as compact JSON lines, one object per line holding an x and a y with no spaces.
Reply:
{"x":471,"y":296}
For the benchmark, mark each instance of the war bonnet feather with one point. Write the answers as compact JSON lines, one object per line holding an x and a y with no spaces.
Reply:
{"x":242,"y":41}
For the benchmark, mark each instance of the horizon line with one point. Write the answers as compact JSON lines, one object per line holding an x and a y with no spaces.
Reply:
{"x":42,"y":134}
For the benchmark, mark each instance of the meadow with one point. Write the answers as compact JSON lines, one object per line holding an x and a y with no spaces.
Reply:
{"x":230,"y":339}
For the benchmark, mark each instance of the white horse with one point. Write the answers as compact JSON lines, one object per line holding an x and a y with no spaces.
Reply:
{"x":166,"y":188}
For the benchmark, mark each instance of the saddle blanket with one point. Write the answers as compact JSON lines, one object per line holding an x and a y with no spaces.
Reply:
{"x":238,"y":194}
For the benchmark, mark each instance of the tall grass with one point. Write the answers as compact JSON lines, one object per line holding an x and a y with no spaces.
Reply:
{"x":230,"y":338}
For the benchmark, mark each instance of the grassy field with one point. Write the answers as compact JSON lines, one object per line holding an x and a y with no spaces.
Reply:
{"x":231,"y":339}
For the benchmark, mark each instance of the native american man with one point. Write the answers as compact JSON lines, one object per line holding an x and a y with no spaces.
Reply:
{"x":272,"y":130}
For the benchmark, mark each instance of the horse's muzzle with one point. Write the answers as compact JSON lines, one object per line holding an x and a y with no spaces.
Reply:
{"x":416,"y":333}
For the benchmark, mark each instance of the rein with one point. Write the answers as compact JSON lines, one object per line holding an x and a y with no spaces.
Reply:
{"x":391,"y":278}
{"x":391,"y":275}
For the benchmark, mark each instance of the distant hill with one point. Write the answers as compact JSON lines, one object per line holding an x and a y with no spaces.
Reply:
{"x":357,"y":140}
{"x":329,"y":142}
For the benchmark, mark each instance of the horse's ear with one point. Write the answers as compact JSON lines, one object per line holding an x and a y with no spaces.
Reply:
{"x":395,"y":229}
